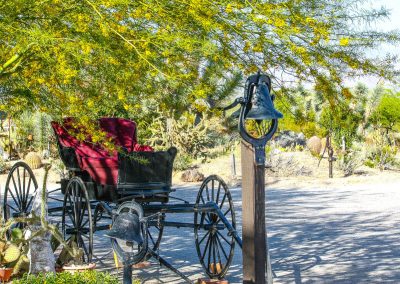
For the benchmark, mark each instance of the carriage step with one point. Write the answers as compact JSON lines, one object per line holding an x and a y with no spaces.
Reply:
{"x":212,"y":281}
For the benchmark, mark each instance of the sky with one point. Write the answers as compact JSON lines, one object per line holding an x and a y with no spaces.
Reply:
{"x":392,"y":23}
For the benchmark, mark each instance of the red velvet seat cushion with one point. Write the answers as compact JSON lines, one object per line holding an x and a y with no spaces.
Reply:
{"x":101,"y":165}
{"x":102,"y":170}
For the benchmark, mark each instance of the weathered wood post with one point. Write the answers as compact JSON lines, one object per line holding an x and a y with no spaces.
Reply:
{"x":257,"y":105}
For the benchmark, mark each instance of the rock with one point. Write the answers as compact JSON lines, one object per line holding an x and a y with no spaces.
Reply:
{"x":192,"y":175}
{"x":314,"y":145}
{"x":287,"y":139}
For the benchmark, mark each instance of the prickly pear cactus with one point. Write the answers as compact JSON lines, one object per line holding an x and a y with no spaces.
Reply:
{"x":2,"y":247}
{"x":22,"y":265}
{"x":11,"y":253}
{"x":33,"y":160}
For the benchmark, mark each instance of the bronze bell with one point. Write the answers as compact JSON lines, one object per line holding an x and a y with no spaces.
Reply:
{"x":262,"y":106}
{"x":126,"y":227}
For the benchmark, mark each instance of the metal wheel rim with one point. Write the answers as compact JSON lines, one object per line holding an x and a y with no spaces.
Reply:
{"x":220,"y":245}
{"x":25,"y":191}
{"x":73,"y":210}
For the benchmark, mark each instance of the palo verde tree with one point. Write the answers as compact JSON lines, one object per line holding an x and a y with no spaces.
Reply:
{"x":115,"y":57}
{"x":387,"y":113}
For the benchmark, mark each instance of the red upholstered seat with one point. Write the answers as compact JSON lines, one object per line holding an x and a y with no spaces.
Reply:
{"x":101,"y":165}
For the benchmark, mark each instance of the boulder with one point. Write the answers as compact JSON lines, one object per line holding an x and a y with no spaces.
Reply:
{"x":314,"y":145}
{"x":192,"y":175}
{"x":287,"y":139}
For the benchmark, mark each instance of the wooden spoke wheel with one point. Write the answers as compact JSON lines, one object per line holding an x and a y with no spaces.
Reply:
{"x":20,"y":191}
{"x":215,"y":246}
{"x":77,"y":217}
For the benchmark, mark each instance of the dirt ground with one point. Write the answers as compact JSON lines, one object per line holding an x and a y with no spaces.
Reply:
{"x":320,"y":230}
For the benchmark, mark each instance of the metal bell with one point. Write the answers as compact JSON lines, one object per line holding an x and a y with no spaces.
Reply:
{"x":126,"y":227}
{"x":262,"y":105}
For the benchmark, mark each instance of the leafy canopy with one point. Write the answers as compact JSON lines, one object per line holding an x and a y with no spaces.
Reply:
{"x":387,"y":113}
{"x":127,"y":58}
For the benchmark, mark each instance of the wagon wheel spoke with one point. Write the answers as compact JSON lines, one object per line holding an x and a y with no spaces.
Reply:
{"x":214,"y":254}
{"x":8,"y":205}
{"x":18,"y":194}
{"x":76,"y":216}
{"x":29,"y":203}
{"x":221,"y":246}
{"x":23,"y":187}
{"x":203,"y":238}
{"x":203,"y":202}
{"x":155,"y":234}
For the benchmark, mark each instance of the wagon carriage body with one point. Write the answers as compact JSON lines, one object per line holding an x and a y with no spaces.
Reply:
{"x":104,"y":187}
{"x":131,"y":170}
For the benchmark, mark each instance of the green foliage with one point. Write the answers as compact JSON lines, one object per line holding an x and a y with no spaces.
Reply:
{"x":299,"y":108}
{"x":125,"y":58}
{"x":11,"y":250}
{"x":349,"y":161}
{"x":36,"y":124}
{"x":3,"y":165}
{"x":387,"y":113}
{"x":86,"y":277}
{"x":182,"y":162}
{"x":381,"y":154}
{"x":190,"y":138}
{"x":343,"y":121}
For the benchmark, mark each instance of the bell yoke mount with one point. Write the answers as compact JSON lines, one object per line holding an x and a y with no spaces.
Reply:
{"x":257,"y":104}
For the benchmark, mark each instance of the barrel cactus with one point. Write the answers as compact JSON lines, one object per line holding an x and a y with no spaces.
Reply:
{"x":33,"y":160}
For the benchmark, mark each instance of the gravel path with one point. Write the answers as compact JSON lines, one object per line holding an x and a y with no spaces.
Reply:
{"x":319,"y":232}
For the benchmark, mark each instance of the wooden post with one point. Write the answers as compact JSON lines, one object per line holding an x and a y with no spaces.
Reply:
{"x":256,"y":265}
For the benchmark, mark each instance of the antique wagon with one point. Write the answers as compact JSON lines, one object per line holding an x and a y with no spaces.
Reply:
{"x":130,"y":190}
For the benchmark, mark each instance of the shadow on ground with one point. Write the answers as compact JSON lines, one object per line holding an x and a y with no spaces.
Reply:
{"x":316,"y":235}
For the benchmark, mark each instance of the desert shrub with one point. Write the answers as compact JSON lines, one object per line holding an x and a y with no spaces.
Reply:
{"x":349,"y":162}
{"x":3,"y":165}
{"x":381,"y":157}
{"x":87,"y":277}
{"x":182,"y":162}
{"x":192,"y":138}
{"x":381,"y":151}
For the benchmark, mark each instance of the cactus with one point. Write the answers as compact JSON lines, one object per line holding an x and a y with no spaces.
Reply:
{"x":22,"y":265}
{"x":8,"y":253}
{"x":11,"y":253}
{"x":33,"y":160}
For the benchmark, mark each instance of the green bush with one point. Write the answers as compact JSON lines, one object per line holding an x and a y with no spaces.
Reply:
{"x":182,"y":162}
{"x":87,"y":277}
{"x":381,"y":153}
{"x":3,"y":165}
{"x":348,"y":162}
